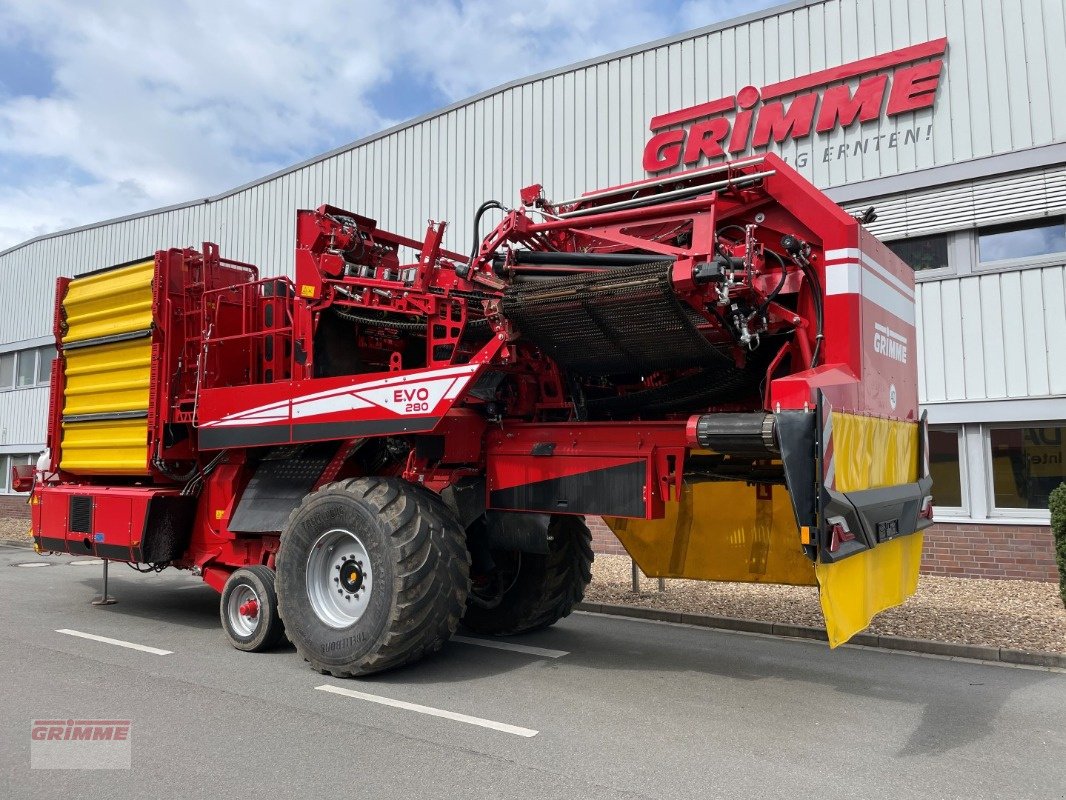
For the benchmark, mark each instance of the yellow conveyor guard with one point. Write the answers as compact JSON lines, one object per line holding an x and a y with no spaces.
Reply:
{"x":110,"y":378}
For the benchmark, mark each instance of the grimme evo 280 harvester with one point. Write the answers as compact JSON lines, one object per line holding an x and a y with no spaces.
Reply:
{"x":367,"y":456}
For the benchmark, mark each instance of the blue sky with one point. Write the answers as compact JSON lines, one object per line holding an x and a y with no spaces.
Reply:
{"x":112,"y":107}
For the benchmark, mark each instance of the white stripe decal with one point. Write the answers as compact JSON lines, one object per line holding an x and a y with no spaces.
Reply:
{"x":847,"y":252}
{"x":869,"y":263}
{"x":887,"y":298}
{"x":850,"y":278}
{"x":456,"y":388}
{"x":433,"y":712}
{"x":328,"y":405}
{"x":260,"y":413}
{"x":842,"y":279}
{"x":119,"y":642}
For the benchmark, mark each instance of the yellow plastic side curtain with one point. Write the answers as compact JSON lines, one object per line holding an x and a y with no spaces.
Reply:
{"x":720,"y":531}
{"x":868,"y":453}
{"x":107,"y":378}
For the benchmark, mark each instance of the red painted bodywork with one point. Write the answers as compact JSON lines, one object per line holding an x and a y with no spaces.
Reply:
{"x":431,"y":370}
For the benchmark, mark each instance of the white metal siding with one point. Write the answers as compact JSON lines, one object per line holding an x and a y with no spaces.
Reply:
{"x":23,"y":417}
{"x":945,"y":208}
{"x":1002,"y":90}
{"x":993,"y":337}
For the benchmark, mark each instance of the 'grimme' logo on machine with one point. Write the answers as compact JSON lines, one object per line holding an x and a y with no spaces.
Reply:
{"x":757,"y":117}
{"x":888,"y":342}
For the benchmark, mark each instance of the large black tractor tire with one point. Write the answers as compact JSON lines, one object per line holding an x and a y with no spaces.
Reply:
{"x":249,"y":610}
{"x":372,"y":573}
{"x":532,"y":591}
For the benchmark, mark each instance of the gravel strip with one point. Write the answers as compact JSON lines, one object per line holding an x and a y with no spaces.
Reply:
{"x":11,"y":528}
{"x":1025,"y":615}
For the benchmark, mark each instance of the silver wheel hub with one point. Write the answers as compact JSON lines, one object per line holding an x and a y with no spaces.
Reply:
{"x":339,"y":578}
{"x":243,"y":610}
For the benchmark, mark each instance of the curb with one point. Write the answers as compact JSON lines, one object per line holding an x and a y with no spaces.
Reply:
{"x":979,"y":652}
{"x":27,"y":543}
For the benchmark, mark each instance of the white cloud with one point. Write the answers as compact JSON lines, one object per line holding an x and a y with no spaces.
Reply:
{"x":156,"y":103}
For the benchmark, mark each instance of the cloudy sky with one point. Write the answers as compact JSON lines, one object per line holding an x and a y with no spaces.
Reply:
{"x":110,"y":107}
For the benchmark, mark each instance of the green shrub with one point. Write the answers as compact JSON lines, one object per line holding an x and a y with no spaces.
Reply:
{"x":1057,"y":505}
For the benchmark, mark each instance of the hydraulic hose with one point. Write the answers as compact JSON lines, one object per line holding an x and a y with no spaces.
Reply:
{"x":462,"y":270}
{"x":777,"y":289}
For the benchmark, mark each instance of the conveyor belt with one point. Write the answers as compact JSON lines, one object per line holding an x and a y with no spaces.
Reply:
{"x":626,"y":321}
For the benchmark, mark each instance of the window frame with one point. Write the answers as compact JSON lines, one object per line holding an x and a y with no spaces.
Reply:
{"x":19,"y":356}
{"x":1024,"y":262}
{"x":44,"y":371}
{"x":937,"y":272}
{"x":996,"y":512}
{"x":963,"y":511}
{"x":7,"y":461}
{"x":4,"y":387}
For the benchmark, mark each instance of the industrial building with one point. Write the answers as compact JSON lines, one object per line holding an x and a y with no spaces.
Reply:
{"x":947,"y":119}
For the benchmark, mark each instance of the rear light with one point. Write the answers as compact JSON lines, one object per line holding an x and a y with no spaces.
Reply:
{"x":839,"y":532}
{"x":927,"y":508}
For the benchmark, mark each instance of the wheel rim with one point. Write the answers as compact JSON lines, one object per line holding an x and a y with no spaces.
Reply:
{"x":339,"y":578}
{"x":243,"y":624}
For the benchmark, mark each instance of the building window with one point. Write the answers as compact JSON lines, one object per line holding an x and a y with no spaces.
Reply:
{"x":26,"y":372}
{"x":45,"y":356}
{"x":1027,"y":463}
{"x":20,"y":369}
{"x":1031,"y":239}
{"x":922,"y":252}
{"x":945,"y":468}
{"x":7,"y":462}
{"x":7,"y":370}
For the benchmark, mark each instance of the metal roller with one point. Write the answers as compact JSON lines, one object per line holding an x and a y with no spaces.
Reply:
{"x":747,"y":435}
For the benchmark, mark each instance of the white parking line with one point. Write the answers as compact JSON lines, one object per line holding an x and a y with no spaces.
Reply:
{"x":91,"y":562}
{"x":543,"y":652}
{"x":107,"y":640}
{"x":433,"y":712}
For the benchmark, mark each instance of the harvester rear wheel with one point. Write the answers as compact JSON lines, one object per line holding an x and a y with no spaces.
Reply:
{"x":530,"y":591}
{"x":249,"y":610}
{"x":373,"y":573}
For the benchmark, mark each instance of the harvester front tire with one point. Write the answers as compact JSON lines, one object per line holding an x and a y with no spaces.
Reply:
{"x":546,"y":587}
{"x":373,"y":573}
{"x":246,"y":631}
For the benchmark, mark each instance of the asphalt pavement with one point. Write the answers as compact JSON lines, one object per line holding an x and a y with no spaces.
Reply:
{"x":596,"y":707}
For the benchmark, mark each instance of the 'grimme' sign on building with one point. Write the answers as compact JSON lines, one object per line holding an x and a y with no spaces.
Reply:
{"x":889,"y":84}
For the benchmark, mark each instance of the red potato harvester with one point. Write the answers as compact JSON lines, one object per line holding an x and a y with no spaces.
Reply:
{"x":717,"y":362}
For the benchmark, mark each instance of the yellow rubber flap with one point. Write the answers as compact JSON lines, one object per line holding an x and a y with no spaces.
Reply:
{"x":108,"y":303}
{"x":870,"y":452}
{"x":109,"y":447}
{"x":853,"y":590}
{"x":108,"y":378}
{"x":720,"y":531}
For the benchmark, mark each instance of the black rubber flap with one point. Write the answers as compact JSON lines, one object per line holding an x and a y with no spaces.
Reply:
{"x":274,"y":491}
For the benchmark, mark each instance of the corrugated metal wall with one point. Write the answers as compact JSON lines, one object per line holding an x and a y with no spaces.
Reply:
{"x":23,"y":418}
{"x":998,"y":336}
{"x":1002,"y":90}
{"x":968,"y":205}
